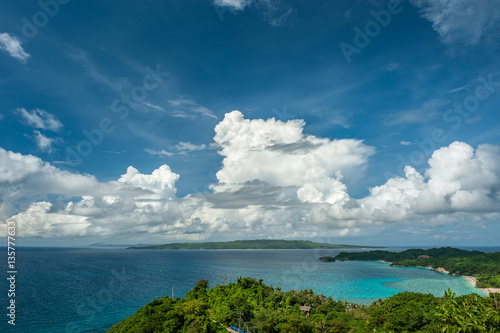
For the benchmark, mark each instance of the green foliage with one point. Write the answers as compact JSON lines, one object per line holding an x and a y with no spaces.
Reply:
{"x":485,"y":267}
{"x":258,"y":244}
{"x":469,"y":313}
{"x":256,"y":307}
{"x":403,"y":312}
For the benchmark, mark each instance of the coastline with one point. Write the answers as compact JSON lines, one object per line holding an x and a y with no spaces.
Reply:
{"x":472,"y":280}
{"x":489,"y":291}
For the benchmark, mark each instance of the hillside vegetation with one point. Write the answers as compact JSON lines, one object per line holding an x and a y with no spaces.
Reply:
{"x":256,"y":307}
{"x":485,"y":267}
{"x":258,"y":244}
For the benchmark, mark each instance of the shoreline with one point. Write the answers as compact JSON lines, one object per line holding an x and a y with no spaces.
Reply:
{"x":472,"y":280}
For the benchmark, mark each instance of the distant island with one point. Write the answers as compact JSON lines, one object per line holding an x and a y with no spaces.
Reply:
{"x":117,"y":245}
{"x":326,"y":259}
{"x":257,"y":244}
{"x":482,"y":269}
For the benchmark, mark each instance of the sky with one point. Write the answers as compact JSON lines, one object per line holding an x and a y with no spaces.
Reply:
{"x":356,"y":122}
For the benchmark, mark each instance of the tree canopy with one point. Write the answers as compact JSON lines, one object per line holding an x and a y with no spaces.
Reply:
{"x":255,"y":307}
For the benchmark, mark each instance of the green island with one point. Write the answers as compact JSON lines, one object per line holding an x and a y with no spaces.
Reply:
{"x":257,"y":244}
{"x":252,"y":306}
{"x":327,"y":259}
{"x":483,"y":267}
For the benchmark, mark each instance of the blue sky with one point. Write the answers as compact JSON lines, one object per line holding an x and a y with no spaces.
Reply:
{"x":358,"y":90}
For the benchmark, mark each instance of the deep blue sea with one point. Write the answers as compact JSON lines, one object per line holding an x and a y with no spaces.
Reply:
{"x":91,"y":289}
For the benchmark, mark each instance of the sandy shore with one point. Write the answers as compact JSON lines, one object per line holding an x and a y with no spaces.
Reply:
{"x":441,"y":269}
{"x":471,"y":279}
{"x":492,"y":290}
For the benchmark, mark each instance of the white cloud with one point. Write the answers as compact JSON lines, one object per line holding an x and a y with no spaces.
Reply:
{"x":275,"y":181}
{"x":40,"y":118}
{"x":280,"y":154}
{"x":392,"y":67}
{"x":454,"y":90}
{"x":134,"y":203}
{"x":274,"y":12}
{"x":188,"y":107}
{"x":43,"y":142}
{"x":458,"y":180}
{"x":427,"y":112}
{"x":161,"y":182}
{"x":461,"y":21}
{"x":154,"y":106}
{"x":233,"y":4}
{"x":182,"y":148}
{"x":181,"y":101}
{"x":185,"y":147}
{"x":36,"y":222}
{"x":12,"y":45}
{"x":28,"y":176}
{"x":406,"y":143}
{"x":161,"y":152}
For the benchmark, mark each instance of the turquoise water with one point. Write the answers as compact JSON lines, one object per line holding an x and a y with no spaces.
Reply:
{"x":89,"y":290}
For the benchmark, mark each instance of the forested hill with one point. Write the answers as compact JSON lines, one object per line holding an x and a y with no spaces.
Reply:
{"x":255,"y":307}
{"x":485,"y":267}
{"x":258,"y":244}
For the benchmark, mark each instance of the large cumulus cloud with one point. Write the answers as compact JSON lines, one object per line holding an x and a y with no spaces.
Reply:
{"x":280,"y":153}
{"x":134,"y":203}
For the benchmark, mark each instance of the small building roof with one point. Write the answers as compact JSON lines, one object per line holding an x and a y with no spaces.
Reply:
{"x":305,"y":308}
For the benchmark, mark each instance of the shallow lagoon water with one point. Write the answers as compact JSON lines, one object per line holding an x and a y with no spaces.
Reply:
{"x":89,"y":289}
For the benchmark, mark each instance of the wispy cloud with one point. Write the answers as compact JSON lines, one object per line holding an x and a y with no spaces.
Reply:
{"x":188,"y":107}
{"x":40,"y":118}
{"x":424,"y":114}
{"x":454,"y":90}
{"x":12,"y":45}
{"x":153,"y":106}
{"x":80,"y":57}
{"x":274,"y":12}
{"x":44,"y":143}
{"x":182,"y":101}
{"x":464,"y":22}
{"x":162,"y":152}
{"x":182,"y":148}
{"x":406,"y":143}
{"x":392,"y":67}
{"x":233,"y":4}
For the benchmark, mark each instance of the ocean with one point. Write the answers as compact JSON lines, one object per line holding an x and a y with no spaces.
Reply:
{"x":91,"y":289}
